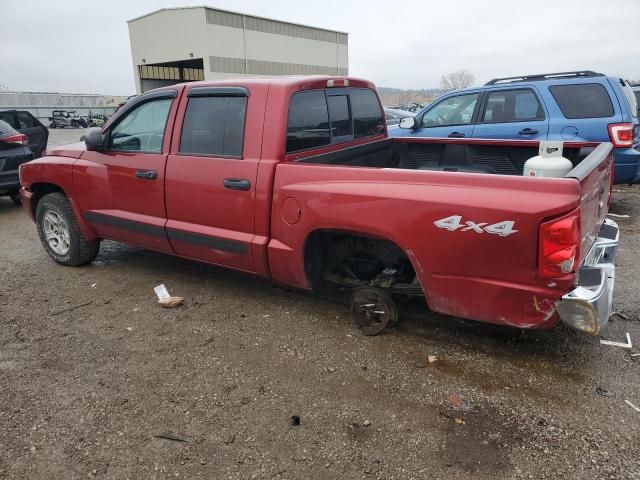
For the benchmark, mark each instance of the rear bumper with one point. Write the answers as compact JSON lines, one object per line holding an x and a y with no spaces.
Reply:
{"x":587,"y":308}
{"x":627,"y":168}
{"x":9,"y":182}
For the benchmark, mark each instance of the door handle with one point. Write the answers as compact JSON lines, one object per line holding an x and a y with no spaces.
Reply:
{"x":236,"y":184}
{"x":456,"y":135}
{"x":147,"y":174}
{"x":528,"y":131}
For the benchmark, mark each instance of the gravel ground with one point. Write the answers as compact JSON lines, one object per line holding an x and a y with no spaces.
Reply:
{"x":94,"y":373}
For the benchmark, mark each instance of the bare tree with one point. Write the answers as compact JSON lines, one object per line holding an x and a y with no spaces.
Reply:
{"x":455,"y":80}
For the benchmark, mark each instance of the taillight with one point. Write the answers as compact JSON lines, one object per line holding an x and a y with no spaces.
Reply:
{"x":621,"y":134}
{"x":17,"y":138}
{"x":559,"y":245}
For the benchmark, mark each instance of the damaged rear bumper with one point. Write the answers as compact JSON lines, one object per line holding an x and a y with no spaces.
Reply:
{"x":587,"y":308}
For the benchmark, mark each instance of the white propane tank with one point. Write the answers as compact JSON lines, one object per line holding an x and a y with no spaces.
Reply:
{"x":549,"y":163}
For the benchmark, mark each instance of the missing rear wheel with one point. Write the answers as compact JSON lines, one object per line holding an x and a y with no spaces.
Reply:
{"x":372,"y":309}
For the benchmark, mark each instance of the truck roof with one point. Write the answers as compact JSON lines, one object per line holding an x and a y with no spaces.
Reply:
{"x":284,"y":82}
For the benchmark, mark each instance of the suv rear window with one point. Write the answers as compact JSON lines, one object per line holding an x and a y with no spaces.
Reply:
{"x":322,"y":117}
{"x":586,"y":100}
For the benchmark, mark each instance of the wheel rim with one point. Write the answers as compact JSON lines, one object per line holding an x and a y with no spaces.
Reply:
{"x":56,"y":232}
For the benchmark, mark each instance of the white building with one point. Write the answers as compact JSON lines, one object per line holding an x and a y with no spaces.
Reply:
{"x":173,"y":45}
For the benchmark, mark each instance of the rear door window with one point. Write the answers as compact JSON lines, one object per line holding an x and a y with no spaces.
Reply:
{"x":506,"y":106}
{"x":586,"y":100}
{"x":26,"y":120}
{"x":214,"y":126}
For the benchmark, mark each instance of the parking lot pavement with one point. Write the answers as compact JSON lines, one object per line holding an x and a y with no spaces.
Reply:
{"x":96,"y":375}
{"x":64,"y":136}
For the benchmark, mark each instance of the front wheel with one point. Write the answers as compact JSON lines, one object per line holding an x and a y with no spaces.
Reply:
{"x":59,"y":232}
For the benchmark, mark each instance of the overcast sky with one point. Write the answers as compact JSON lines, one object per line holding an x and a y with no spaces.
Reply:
{"x":83,"y":46}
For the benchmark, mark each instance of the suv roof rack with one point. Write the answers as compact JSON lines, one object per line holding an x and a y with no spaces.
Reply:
{"x":546,"y":76}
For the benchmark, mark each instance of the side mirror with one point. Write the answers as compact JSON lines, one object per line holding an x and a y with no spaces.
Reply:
{"x":407,"y":122}
{"x":94,"y":139}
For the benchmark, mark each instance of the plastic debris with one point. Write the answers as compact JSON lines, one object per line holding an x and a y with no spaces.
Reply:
{"x":618,"y":344}
{"x":602,"y":391}
{"x":637,"y":409}
{"x":617,"y":215}
{"x":94,"y":285}
{"x":432,"y":358}
{"x":458,"y":421}
{"x":456,"y":401}
{"x":294,"y":420}
{"x":165,"y":299}
{"x":366,"y":423}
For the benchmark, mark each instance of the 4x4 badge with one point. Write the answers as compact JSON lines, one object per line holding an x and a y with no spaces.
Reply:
{"x":454,"y":222}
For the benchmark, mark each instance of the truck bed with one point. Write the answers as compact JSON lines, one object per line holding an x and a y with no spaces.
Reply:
{"x":497,"y":157}
{"x":444,"y":203}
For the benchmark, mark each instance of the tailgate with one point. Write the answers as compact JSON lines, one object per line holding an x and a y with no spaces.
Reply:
{"x":595,"y":174}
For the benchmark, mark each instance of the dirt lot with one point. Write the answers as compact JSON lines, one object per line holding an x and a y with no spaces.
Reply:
{"x":86,"y":391}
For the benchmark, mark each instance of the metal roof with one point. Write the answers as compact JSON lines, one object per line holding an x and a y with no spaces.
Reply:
{"x":234,"y":12}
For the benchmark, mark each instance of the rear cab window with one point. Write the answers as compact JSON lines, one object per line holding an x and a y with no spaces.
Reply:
{"x":319,"y":118}
{"x":584,"y":100}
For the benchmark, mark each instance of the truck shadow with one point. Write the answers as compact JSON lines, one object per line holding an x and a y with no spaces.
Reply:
{"x":559,"y":353}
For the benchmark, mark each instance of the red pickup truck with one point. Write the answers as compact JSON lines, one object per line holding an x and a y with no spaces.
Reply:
{"x":295,"y":179}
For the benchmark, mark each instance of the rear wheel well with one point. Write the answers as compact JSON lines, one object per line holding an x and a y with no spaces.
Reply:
{"x":354,"y":260}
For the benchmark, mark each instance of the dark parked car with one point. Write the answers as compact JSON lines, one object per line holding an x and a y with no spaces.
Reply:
{"x":14,"y":151}
{"x":25,"y":123}
{"x":393,"y":115}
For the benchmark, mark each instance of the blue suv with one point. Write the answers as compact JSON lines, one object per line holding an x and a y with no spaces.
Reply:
{"x":571,"y":106}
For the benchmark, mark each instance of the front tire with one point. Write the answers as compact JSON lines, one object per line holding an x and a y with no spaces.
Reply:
{"x":59,"y":232}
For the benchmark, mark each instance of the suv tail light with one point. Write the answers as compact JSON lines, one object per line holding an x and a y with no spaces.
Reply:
{"x":17,"y":138}
{"x":559,"y":245}
{"x":621,"y":134}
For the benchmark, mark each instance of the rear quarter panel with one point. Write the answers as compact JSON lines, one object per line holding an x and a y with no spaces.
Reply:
{"x":577,"y":129}
{"x":465,"y":273}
